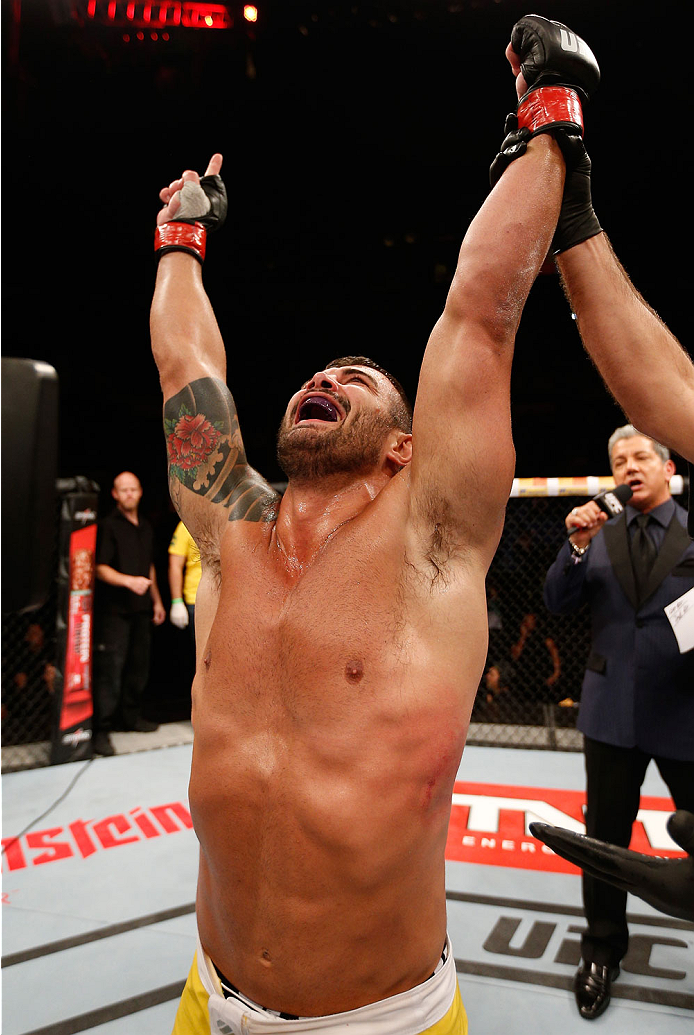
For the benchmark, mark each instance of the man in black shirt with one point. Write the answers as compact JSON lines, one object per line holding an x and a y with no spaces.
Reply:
{"x":127,"y":600}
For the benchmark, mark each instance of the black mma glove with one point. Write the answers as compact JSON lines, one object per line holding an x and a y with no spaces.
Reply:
{"x":559,"y":68}
{"x":551,"y":54}
{"x":577,"y":220}
{"x":514,"y":144}
{"x":666,"y":884}
{"x":203,"y":208}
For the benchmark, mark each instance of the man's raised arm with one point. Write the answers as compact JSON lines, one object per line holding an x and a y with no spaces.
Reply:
{"x":641,"y":361}
{"x":463,"y":461}
{"x":209,"y":477}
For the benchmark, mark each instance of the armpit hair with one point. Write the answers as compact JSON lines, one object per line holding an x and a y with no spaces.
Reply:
{"x":210,"y":557}
{"x":442,"y":543}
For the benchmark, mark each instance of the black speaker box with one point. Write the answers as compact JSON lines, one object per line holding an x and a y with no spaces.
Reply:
{"x":29,"y":469}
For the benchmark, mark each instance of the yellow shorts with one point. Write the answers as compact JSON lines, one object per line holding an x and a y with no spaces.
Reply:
{"x":203,"y":1012}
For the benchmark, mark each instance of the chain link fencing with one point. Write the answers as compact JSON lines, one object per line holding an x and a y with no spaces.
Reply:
{"x":529,"y":692}
{"x":29,"y":644}
{"x":535,"y":662}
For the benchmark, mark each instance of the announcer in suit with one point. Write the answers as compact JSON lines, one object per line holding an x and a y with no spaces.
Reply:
{"x":637,"y":701}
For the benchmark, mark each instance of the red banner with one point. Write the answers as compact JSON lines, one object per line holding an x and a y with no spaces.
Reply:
{"x":77,"y":680}
{"x":490,"y":825}
{"x":72,"y":713}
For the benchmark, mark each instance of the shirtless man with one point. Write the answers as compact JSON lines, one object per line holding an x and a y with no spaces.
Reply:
{"x":342,"y":631}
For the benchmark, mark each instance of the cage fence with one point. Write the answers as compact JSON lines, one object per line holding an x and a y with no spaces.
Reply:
{"x":529,"y":692}
{"x":29,"y":644}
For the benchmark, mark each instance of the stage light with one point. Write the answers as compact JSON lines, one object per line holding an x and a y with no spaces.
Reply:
{"x":250,"y":13}
{"x":159,"y":14}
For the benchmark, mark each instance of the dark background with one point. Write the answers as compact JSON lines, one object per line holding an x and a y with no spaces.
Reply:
{"x":356,"y":152}
{"x":357,"y":138}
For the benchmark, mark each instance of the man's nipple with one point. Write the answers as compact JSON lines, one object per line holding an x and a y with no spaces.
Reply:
{"x":354,"y":670}
{"x":208,"y":658}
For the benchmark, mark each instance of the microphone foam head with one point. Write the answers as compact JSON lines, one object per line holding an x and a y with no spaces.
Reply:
{"x":612,"y":500}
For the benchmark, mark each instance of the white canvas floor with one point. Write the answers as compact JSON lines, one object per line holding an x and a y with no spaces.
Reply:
{"x":99,"y":931}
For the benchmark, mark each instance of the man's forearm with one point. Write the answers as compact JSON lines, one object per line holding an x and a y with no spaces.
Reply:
{"x":106,"y":573}
{"x":642,"y":363}
{"x":154,"y":588}
{"x":508,"y":240}
{"x":565,"y":583}
{"x":186,"y":341}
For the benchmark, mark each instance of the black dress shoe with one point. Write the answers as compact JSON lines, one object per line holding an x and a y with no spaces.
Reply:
{"x":592,"y":986}
{"x":101,"y":745}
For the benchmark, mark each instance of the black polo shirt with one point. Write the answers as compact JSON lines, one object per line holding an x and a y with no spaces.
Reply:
{"x":129,"y":549}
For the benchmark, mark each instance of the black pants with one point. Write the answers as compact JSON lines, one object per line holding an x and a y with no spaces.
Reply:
{"x":121,"y":668}
{"x":615,"y":776}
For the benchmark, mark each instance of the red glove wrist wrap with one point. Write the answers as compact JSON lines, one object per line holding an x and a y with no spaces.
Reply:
{"x":549,"y":105}
{"x":182,"y":237}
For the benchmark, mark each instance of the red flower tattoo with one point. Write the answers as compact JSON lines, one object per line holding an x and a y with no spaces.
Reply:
{"x":191,"y":442}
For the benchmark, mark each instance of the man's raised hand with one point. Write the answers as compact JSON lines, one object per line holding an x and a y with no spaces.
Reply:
{"x":543,"y":52}
{"x":514,"y":61}
{"x":193,"y":206}
{"x":583,"y":523}
{"x":171,"y":196}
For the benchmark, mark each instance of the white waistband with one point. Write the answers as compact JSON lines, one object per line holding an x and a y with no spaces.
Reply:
{"x":407,"y":1013}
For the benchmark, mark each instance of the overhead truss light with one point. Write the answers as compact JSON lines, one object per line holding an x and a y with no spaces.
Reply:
{"x":160,"y":14}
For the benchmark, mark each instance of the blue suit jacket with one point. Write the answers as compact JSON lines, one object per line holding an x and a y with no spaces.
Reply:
{"x":638,"y":690}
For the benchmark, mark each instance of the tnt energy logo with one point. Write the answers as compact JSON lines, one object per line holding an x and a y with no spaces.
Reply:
{"x":490,"y":824}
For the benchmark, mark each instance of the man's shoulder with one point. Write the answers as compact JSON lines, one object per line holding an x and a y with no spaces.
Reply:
{"x":109,"y":521}
{"x":680,"y":513}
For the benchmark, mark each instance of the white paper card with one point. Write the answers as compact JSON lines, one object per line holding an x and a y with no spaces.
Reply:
{"x":680,"y":614}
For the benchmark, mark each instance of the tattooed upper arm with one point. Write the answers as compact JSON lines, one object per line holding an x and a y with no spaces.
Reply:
{"x":206,"y":456}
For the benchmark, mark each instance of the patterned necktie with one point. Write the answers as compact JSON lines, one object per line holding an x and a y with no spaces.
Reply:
{"x":643,"y":554}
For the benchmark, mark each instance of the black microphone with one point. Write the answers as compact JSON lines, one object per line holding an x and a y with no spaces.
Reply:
{"x":611,"y":502}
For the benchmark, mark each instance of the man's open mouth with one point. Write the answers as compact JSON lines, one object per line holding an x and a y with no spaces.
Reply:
{"x":318,"y":407}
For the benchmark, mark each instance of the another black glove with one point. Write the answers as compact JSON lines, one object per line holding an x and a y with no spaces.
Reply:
{"x":666,"y":884}
{"x":203,"y":208}
{"x":577,"y":220}
{"x":552,"y":54}
{"x":560,"y":69}
{"x":210,"y":210}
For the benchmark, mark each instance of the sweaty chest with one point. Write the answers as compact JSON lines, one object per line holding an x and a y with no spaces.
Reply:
{"x":336,"y":632}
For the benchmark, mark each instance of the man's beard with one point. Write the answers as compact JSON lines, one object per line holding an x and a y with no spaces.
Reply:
{"x":307,"y":453}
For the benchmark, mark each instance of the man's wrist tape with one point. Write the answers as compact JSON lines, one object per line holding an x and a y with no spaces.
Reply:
{"x":181,"y":237}
{"x":177,"y":600}
{"x":550,"y":107}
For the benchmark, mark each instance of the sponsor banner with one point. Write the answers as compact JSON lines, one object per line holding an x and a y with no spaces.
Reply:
{"x":490,"y":825}
{"x":72,"y":726}
{"x":77,"y":680}
{"x":84,"y":838}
